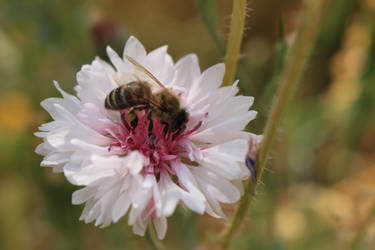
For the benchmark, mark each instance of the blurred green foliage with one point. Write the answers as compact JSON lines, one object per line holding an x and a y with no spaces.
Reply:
{"x":319,"y":189}
{"x":207,"y":10}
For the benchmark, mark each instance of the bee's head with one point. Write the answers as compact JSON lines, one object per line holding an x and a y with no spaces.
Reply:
{"x":179,"y":120}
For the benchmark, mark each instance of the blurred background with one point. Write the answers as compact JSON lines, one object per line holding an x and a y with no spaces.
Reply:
{"x":319,"y":189}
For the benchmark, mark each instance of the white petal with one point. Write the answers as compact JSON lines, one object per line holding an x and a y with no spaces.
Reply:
{"x":210,"y":80}
{"x":58,"y":168}
{"x":42,"y":149}
{"x":213,"y":207}
{"x":156,"y":195}
{"x":58,"y":138}
{"x":134,"y":161}
{"x":214,"y":210}
{"x":160,"y":227}
{"x":226,"y":159}
{"x":83,"y":195}
{"x":52,"y":125}
{"x":187,"y":180}
{"x":225,"y":131}
{"x":70,"y":102}
{"x":116,"y":59}
{"x":227,"y":107}
{"x":87,"y":210}
{"x":171,"y":194}
{"x":139,"y":227}
{"x":121,"y":206}
{"x":56,"y":158}
{"x":82,"y":131}
{"x":135,"y":49}
{"x":187,"y":71}
{"x":221,"y":189}
{"x":95,"y":81}
{"x":213,"y":76}
{"x":140,"y":200}
{"x":161,"y":65}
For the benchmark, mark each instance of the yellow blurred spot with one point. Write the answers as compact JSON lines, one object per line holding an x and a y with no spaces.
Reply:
{"x":347,"y":65}
{"x":9,"y":55}
{"x":370,"y":4}
{"x":333,"y":205}
{"x":289,"y":222}
{"x":15,"y":112}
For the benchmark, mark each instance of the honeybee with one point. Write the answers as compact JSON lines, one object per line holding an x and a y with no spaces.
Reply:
{"x":164,"y":104}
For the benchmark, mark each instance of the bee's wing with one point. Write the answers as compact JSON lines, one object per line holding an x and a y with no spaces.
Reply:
{"x":144,"y":70}
{"x":152,"y":101}
{"x":158,"y":105}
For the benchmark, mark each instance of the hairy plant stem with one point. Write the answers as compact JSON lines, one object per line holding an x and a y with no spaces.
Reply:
{"x":235,"y":39}
{"x":296,"y":61}
{"x":152,"y":238}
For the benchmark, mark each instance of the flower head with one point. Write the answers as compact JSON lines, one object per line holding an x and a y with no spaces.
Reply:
{"x":146,"y":169}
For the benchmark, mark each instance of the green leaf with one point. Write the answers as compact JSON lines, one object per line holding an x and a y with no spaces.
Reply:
{"x":207,"y":11}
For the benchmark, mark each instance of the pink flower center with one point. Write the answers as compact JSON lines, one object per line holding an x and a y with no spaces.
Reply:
{"x":159,"y":145}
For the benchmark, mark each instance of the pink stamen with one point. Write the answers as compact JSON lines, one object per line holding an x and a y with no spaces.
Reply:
{"x":161,"y":149}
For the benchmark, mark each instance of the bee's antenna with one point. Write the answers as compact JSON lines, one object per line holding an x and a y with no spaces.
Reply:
{"x":143,"y":69}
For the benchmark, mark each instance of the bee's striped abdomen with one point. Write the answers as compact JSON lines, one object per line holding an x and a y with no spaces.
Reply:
{"x":119,"y":98}
{"x":129,"y":95}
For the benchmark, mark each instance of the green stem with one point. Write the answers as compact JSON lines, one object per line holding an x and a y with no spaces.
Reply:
{"x":235,"y":39}
{"x":152,"y":238}
{"x":295,"y":64}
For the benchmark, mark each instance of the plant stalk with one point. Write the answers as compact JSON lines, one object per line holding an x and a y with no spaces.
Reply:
{"x":235,"y":39}
{"x":294,"y":68}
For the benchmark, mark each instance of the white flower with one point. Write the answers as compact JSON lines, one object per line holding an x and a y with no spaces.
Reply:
{"x":122,"y":169}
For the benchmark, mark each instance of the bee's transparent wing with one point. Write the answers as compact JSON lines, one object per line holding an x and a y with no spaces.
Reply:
{"x":144,"y":70}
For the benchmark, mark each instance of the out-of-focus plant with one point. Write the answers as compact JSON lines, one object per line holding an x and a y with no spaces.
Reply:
{"x":318,"y":190}
{"x":295,"y":64}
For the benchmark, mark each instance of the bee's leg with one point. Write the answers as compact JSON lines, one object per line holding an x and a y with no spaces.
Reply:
{"x":134,"y":122}
{"x":178,"y":132}
{"x":150,"y":125}
{"x":132,"y":118}
{"x":166,"y":127}
{"x":125,"y":120}
{"x":141,"y":107}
